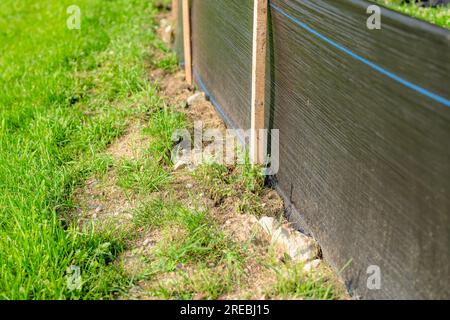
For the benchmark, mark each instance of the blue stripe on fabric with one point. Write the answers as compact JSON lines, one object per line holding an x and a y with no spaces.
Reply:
{"x":374,"y":66}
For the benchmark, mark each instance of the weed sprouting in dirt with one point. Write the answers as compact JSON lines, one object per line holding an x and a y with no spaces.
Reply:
{"x":242,"y":181}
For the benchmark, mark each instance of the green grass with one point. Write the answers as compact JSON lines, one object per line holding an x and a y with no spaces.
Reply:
{"x":64,"y":96}
{"x":164,"y":122}
{"x":150,"y":173}
{"x":243,"y":182}
{"x":192,"y":236}
{"x":169,"y":62}
{"x":143,"y":175}
{"x":190,"y":239}
{"x":154,"y":213}
{"x":439,"y":15}
{"x":294,"y":283}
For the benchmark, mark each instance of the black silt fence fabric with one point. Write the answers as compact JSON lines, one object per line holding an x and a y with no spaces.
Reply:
{"x":364,"y":120}
{"x":179,"y":45}
{"x":222,"y":55}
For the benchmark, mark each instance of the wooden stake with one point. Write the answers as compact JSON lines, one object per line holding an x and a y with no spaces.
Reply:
{"x":257,"y":141}
{"x":187,"y":41}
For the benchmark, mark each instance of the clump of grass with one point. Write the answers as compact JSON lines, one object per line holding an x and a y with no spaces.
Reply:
{"x":204,"y":284}
{"x":165,"y":59}
{"x":168,"y":63}
{"x":216,"y":181}
{"x":439,"y":15}
{"x":142,"y":175}
{"x":169,"y":60}
{"x":162,"y":125}
{"x":244,"y":182}
{"x":95,"y":254}
{"x":294,"y":283}
{"x":198,"y":240}
{"x":154,"y":213}
{"x":190,"y":240}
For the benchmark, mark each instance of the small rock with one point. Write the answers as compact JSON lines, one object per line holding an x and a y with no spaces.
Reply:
{"x":163,"y":23}
{"x":166,"y":31}
{"x":180,"y":164}
{"x":93,"y":182}
{"x":298,"y":246}
{"x":99,"y":208}
{"x":195,"y":99}
{"x":241,"y":227}
{"x":167,"y":34}
{"x":313,"y":265}
{"x":180,"y":266}
{"x":196,"y":159}
{"x":128,"y":216}
{"x":268,"y":224}
{"x":92,"y":206}
{"x":148,"y":243}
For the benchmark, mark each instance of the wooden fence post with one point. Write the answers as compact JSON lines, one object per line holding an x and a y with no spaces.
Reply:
{"x":187,"y":41}
{"x":257,"y":140}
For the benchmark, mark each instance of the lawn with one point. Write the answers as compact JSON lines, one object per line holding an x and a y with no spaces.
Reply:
{"x":439,"y":15}
{"x":64,"y":95}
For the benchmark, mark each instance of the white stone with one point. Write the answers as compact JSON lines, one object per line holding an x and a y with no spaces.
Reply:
{"x":311,"y":266}
{"x":268,"y":224}
{"x":298,"y":246}
{"x":164,"y":23}
{"x":128,"y":216}
{"x":147,"y":242}
{"x":195,"y":99}
{"x":99,"y":208}
{"x":166,"y":31}
{"x":181,"y":164}
{"x":167,"y":34}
